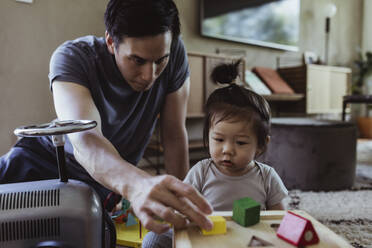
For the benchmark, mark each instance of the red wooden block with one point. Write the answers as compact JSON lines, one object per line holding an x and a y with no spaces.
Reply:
{"x":297,"y":230}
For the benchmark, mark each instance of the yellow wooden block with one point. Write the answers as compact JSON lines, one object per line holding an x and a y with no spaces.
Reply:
{"x":130,"y":236}
{"x":219,"y":226}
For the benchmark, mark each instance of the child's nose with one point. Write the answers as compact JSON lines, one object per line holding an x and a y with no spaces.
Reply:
{"x":228,"y":149}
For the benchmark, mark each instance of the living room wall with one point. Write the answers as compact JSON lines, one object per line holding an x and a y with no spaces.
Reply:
{"x":29,"y":33}
{"x":367,"y":30}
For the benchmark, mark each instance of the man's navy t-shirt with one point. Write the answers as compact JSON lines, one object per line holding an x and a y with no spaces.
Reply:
{"x":128,"y":117}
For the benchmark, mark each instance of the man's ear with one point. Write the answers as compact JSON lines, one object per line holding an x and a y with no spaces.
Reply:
{"x":110,"y":43}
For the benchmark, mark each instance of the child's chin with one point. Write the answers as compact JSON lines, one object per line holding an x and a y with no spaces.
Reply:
{"x":226,"y":170}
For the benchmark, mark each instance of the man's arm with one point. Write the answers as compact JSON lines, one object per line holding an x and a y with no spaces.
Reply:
{"x":173,"y":132}
{"x":149,"y":196}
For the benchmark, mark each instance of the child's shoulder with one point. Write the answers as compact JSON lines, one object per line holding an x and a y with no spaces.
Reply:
{"x":269,"y":173}
{"x":201,"y":167}
{"x":265,"y":169}
{"x":198,"y":171}
{"x":264,"y":166}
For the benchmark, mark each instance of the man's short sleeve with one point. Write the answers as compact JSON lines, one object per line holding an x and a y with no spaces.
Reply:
{"x":69,"y":63}
{"x":179,"y":66}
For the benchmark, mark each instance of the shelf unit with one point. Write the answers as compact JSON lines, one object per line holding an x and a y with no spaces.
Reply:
{"x":323,"y":88}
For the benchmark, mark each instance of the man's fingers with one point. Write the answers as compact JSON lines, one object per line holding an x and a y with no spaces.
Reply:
{"x":182,"y":201}
{"x":167,"y":214}
{"x":190,"y":210}
{"x":189,"y":192}
{"x":164,"y":197}
{"x":182,"y":205}
{"x":151,"y":224}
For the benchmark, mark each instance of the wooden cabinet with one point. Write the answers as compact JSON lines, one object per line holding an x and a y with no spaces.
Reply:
{"x":323,"y":88}
{"x":201,"y":86}
{"x":326,"y":86}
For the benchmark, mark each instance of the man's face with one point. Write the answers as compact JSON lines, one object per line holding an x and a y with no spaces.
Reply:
{"x":142,"y":59}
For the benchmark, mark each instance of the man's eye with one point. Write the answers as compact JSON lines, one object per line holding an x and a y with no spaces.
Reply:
{"x":218,"y":139}
{"x":161,"y":61}
{"x":139,"y":61}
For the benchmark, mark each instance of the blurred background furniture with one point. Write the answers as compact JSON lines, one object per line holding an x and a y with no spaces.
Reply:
{"x":348,"y":99}
{"x":311,"y":154}
{"x":323,"y":87}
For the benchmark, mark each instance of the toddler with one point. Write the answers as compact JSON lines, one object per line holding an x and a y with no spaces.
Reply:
{"x":236,"y":131}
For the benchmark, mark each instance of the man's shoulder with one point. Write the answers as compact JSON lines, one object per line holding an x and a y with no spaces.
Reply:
{"x":178,"y":49}
{"x":87,"y":44}
{"x":85,"y":40}
{"x":177,"y":43}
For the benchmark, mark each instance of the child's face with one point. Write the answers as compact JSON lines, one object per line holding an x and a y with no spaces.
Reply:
{"x":233,"y":146}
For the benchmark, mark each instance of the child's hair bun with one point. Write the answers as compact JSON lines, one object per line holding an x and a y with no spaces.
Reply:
{"x":225,"y":73}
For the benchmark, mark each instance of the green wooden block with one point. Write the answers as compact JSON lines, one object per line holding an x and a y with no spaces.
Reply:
{"x":246,"y":212}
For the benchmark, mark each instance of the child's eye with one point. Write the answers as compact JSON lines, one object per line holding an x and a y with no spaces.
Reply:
{"x":241,"y":143}
{"x":218,"y":139}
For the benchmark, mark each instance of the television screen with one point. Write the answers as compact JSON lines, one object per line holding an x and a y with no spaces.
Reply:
{"x":269,"y":23}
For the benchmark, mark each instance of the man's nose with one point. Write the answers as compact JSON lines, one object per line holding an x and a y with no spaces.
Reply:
{"x":148,"y":72}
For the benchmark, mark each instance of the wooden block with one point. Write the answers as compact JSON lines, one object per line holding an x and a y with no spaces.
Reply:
{"x":219,"y":226}
{"x":297,"y":230}
{"x":130,"y":236}
{"x":246,"y":211}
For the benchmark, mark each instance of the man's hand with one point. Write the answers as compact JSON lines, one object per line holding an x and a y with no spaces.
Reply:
{"x":159,"y":197}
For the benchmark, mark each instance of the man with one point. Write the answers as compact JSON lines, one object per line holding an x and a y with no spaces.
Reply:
{"x":123,"y":81}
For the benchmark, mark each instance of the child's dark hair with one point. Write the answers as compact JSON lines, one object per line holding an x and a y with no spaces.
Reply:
{"x":139,"y":18}
{"x":236,"y":102}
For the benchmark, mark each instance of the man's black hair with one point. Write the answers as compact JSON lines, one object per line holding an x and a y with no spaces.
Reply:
{"x":140,"y":18}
